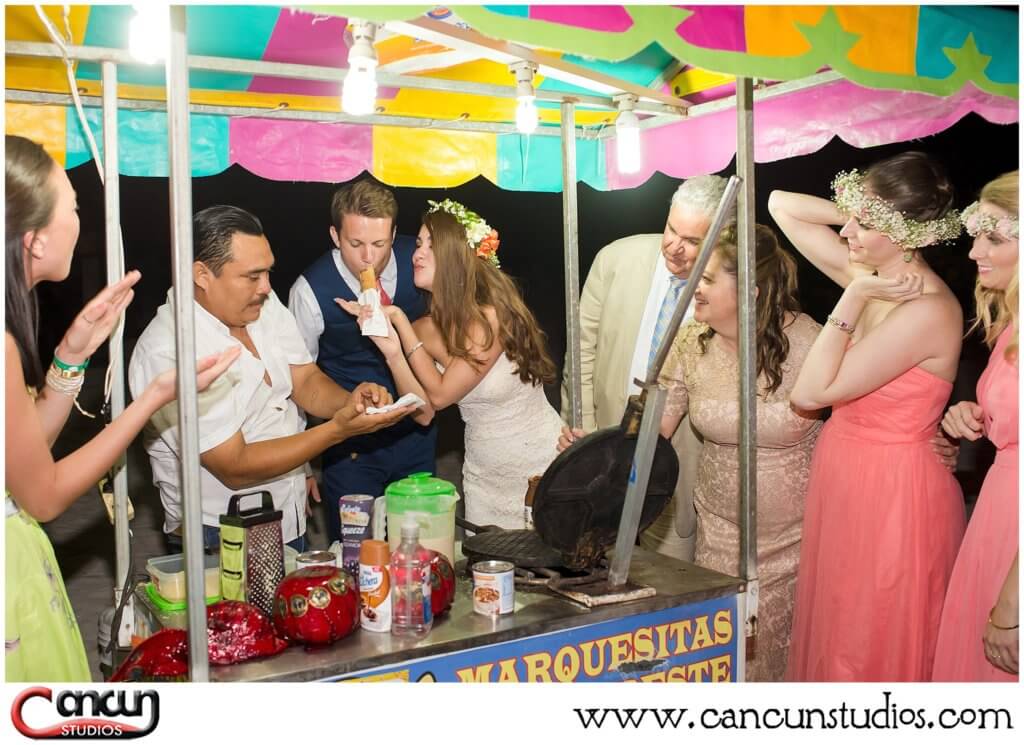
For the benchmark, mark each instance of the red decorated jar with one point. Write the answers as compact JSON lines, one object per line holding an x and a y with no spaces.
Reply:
{"x":442,"y":584}
{"x":316,"y":605}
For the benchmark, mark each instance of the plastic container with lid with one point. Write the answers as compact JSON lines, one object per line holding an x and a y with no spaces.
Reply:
{"x":433,"y":500}
{"x":168,"y":575}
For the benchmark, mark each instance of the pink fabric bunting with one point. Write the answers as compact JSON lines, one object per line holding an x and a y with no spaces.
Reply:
{"x":801,"y":123}
{"x":301,"y":151}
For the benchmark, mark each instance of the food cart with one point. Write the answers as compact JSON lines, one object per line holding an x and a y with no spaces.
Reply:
{"x":265,"y":96}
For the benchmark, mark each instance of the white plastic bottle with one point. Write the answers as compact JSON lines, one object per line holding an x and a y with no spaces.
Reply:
{"x":411,"y":614}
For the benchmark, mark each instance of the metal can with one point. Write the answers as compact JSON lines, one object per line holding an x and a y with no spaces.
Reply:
{"x":494,"y":589}
{"x":315,"y":559}
{"x":356,"y":526}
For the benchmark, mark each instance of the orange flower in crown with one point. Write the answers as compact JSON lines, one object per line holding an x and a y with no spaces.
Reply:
{"x":480,"y":236}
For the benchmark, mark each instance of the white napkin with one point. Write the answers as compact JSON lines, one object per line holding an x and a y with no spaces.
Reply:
{"x":376,"y":324}
{"x":409,"y":399}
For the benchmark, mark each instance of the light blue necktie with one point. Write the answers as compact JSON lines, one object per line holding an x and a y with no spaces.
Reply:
{"x":668,"y":306}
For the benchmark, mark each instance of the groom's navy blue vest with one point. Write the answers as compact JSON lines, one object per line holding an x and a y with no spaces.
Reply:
{"x":348,"y":357}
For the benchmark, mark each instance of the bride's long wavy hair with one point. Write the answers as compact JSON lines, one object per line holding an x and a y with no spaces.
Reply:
{"x":775,"y":276}
{"x":463,"y":285}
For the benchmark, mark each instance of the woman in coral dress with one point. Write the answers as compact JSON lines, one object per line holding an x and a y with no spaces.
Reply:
{"x":979,"y":637}
{"x":702,"y":377}
{"x":884,"y":518}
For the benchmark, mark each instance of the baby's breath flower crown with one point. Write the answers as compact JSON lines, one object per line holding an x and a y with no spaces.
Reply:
{"x":875,"y":213}
{"x":482,"y":238}
{"x":978,"y":222}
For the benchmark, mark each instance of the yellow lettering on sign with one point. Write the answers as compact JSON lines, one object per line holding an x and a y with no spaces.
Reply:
{"x":702,"y":638}
{"x":661,"y":630}
{"x":680,"y":629}
{"x":643,"y":644}
{"x":508,"y":673}
{"x":699,"y":672}
{"x":622,"y":650}
{"x":567,"y":664}
{"x":655,"y":677}
{"x":723,"y":627}
{"x":721,"y":667}
{"x":538,"y":667}
{"x":591,"y":667}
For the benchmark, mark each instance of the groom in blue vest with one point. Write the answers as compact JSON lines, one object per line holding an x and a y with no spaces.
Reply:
{"x":364,"y":215}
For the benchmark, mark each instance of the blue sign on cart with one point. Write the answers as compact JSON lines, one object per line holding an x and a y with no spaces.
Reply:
{"x":691,"y":643}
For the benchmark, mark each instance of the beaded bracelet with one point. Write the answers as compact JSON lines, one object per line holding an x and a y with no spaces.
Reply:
{"x":67,"y":385}
{"x":841,"y":324}
{"x":994,"y":625}
{"x":72,"y":370}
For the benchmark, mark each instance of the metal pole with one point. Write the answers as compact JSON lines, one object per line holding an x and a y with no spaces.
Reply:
{"x":571,"y":241}
{"x":115,"y":271}
{"x":636,"y":491}
{"x":745,"y":287}
{"x":185,"y":342}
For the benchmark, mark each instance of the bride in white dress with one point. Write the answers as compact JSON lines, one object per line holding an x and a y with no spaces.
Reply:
{"x":479,"y":347}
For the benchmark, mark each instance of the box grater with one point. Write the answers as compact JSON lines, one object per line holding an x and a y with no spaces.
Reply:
{"x":251,"y":552}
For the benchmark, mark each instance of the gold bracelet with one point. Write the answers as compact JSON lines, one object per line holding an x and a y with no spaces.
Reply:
{"x":841,"y":325}
{"x":994,"y":625}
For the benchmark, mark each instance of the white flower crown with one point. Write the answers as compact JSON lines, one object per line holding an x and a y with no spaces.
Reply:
{"x":875,"y":213}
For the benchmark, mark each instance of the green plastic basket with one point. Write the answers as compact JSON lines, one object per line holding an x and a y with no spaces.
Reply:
{"x":166,"y":606}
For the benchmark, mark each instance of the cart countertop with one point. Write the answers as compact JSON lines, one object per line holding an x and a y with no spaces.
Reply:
{"x":537,"y":611}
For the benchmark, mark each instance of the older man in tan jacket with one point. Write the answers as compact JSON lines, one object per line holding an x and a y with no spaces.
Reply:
{"x":632,"y":283}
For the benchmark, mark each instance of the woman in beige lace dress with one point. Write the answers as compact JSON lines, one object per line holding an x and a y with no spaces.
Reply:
{"x":702,"y":377}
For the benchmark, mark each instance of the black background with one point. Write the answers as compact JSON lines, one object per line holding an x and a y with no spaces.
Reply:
{"x":295,"y":216}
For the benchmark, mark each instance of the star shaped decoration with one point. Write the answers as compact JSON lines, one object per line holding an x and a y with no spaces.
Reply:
{"x":828,"y":37}
{"x":968,"y":60}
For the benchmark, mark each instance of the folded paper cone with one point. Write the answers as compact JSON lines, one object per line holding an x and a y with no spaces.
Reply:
{"x":367,"y":279}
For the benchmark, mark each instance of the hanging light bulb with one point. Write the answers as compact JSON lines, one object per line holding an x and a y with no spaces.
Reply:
{"x":149,"y":33}
{"x":359,"y":91}
{"x":527,"y":116}
{"x":627,"y":135}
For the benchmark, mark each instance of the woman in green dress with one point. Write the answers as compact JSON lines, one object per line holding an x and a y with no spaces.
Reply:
{"x":41,"y":638}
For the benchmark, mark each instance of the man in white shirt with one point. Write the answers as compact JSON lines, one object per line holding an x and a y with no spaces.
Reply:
{"x":251,"y":435}
{"x":363,"y":216}
{"x":632,"y":283}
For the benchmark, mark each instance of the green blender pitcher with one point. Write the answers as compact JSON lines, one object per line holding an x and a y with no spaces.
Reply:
{"x":432,"y":500}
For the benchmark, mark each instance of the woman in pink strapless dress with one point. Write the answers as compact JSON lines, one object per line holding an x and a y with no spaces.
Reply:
{"x":884,"y":517}
{"x":979,"y":637}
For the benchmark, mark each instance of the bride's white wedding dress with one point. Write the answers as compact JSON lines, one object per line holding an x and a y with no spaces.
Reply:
{"x":511,"y":434}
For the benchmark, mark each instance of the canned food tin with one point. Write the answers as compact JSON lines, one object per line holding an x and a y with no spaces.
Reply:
{"x":356,"y":526}
{"x":315,"y":559}
{"x":494,"y":590}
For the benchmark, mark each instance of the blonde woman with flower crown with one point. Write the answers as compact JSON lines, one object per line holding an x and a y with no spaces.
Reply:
{"x":979,"y":637}
{"x":479,"y":347}
{"x":884,"y":517}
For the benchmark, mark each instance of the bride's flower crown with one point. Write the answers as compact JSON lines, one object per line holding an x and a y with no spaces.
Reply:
{"x":875,"y":213}
{"x":482,"y":238}
{"x":978,"y":222}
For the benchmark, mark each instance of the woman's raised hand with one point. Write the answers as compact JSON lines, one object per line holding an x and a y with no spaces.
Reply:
{"x":965,"y":419}
{"x":208,"y":369}
{"x":92,"y":326}
{"x":894,"y":290}
{"x":389,"y":345}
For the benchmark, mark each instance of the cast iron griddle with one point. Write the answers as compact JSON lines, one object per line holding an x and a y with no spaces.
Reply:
{"x":579,"y":500}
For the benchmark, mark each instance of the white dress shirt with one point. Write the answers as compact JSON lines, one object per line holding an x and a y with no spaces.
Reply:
{"x":303,"y":305}
{"x":642,"y":351}
{"x":240,"y":400}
